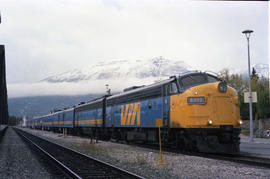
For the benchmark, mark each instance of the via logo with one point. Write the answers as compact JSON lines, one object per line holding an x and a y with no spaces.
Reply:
{"x":129,"y":113}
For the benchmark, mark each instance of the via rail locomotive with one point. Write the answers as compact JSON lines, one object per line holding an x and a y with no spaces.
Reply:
{"x":198,"y":111}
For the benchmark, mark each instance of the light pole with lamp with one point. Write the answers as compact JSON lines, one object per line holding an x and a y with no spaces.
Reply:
{"x":247,"y":33}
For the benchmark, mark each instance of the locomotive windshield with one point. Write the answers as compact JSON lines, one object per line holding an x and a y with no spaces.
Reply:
{"x":190,"y":80}
{"x":212,"y":79}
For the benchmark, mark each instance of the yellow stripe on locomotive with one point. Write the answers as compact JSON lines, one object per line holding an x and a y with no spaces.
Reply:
{"x":129,"y":112}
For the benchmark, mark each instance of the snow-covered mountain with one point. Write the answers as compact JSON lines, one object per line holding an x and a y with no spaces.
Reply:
{"x":156,"y":68}
{"x":153,"y":68}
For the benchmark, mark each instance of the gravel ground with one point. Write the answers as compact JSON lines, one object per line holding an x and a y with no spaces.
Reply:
{"x":16,"y":160}
{"x":144,"y":161}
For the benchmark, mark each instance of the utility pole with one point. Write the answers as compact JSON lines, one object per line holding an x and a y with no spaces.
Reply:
{"x":247,"y":33}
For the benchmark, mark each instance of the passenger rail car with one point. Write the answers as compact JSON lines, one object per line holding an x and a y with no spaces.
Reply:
{"x":198,"y":110}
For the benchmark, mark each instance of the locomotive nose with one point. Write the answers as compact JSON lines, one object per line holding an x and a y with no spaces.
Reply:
{"x":212,"y":105}
{"x":224,"y":105}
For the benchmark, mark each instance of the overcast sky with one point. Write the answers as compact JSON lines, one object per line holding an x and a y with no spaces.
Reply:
{"x":47,"y":37}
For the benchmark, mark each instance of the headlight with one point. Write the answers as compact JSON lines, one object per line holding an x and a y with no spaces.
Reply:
{"x":210,"y":122}
{"x":222,"y":87}
{"x":240,"y":122}
{"x":196,"y":100}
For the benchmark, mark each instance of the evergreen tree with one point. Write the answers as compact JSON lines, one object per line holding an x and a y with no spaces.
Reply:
{"x":254,"y":75}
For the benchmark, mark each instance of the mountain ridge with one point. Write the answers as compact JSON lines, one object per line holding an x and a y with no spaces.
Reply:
{"x":152,"y":68}
{"x":156,"y":68}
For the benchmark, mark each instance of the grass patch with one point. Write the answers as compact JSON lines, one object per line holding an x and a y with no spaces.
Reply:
{"x":94,"y":148}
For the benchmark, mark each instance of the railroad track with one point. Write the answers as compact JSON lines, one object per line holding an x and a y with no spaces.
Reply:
{"x":241,"y":158}
{"x":73,"y":163}
{"x":237,"y":158}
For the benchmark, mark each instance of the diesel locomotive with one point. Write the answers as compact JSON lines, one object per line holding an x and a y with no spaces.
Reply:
{"x":199,"y":112}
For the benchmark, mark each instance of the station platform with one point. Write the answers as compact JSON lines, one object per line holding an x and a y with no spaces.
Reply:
{"x":260,"y":147}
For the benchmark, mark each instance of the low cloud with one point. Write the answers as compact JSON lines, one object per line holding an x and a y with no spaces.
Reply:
{"x":64,"y":88}
{"x":47,"y":37}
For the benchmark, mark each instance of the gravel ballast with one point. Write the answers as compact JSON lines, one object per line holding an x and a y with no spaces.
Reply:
{"x":17,"y":160}
{"x":144,"y":162}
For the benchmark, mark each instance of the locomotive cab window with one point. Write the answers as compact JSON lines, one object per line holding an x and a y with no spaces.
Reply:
{"x":212,"y":79}
{"x":149,"y":104}
{"x":192,"y":80}
{"x":173,"y":88}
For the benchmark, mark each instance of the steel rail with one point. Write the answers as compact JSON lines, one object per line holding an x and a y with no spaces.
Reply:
{"x":236,"y":158}
{"x":120,"y":171}
{"x":66,"y":170}
{"x":240,"y":158}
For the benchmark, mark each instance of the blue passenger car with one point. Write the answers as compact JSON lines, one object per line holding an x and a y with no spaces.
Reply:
{"x":89,"y":114}
{"x":68,"y":118}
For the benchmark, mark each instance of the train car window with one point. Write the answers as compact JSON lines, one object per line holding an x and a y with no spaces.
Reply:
{"x":166,"y":90}
{"x":149,"y":104}
{"x":192,"y":80}
{"x":173,"y":88}
{"x":212,"y":79}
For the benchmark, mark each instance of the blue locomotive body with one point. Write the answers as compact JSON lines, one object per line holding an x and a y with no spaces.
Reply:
{"x":134,"y":109}
{"x":137,"y":113}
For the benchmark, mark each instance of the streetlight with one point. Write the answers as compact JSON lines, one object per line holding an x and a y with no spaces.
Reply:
{"x":247,"y":33}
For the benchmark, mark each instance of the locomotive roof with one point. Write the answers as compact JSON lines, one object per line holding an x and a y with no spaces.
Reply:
{"x":155,"y":85}
{"x":98,"y":102}
{"x":158,"y":84}
{"x":95,"y":102}
{"x":50,"y":114}
{"x":122,"y":94}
